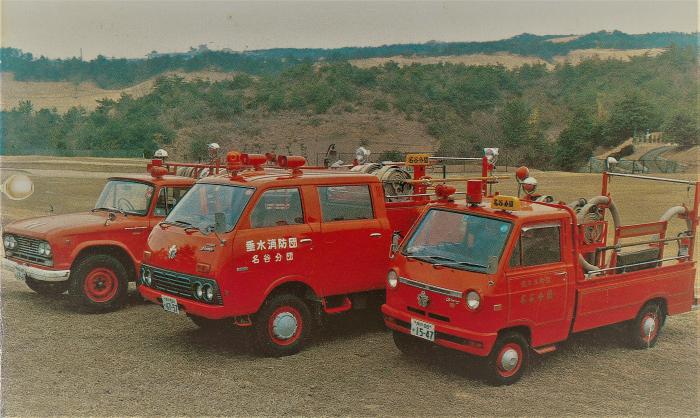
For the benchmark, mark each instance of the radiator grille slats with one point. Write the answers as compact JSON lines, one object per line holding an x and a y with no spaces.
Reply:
{"x":28,"y":249}
{"x":180,"y":284}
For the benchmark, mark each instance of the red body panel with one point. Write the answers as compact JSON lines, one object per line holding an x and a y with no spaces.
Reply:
{"x":328,"y":258}
{"x":70,"y":234}
{"x":546,"y":302}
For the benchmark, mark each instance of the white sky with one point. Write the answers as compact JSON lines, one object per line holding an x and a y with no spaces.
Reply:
{"x":129,"y":28}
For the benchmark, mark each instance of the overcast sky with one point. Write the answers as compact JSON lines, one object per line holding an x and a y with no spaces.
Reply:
{"x":133,"y":28}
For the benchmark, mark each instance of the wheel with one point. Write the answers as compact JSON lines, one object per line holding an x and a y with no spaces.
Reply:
{"x":99,"y":283}
{"x":283,"y":326}
{"x":47,"y":288}
{"x":508,"y":359}
{"x":212,"y":325}
{"x":645,"y":329}
{"x":409,"y":345}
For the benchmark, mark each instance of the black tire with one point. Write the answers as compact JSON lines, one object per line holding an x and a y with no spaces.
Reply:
{"x":99,"y":283}
{"x":283,"y":326}
{"x":210,"y":325}
{"x":508,"y":359}
{"x":645,"y":329}
{"x":47,"y":288}
{"x":410,"y":345}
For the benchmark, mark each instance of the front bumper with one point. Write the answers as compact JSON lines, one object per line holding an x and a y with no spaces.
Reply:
{"x":190,"y":307}
{"x":456,"y":338}
{"x":37,"y":273}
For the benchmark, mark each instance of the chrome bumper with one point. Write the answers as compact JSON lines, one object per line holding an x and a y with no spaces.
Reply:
{"x":37,"y":273}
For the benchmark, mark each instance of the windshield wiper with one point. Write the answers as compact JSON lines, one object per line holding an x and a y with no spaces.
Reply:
{"x":460,"y":263}
{"x":109,"y":209}
{"x":182,"y":224}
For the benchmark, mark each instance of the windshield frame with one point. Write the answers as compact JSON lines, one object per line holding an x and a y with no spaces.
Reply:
{"x":126,"y":180}
{"x":446,"y":264}
{"x":192,"y":191}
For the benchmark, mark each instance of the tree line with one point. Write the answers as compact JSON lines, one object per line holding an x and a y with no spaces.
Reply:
{"x":549,"y":118}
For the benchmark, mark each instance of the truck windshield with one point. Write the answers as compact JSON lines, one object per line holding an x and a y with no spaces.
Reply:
{"x":458,"y":240}
{"x":198,"y":207}
{"x":125,"y":196}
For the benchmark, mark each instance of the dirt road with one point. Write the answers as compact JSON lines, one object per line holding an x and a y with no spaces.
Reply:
{"x":142,"y":361}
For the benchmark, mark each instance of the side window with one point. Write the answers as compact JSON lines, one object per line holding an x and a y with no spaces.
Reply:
{"x":343,"y":203}
{"x":277,"y":207}
{"x":538,"y":244}
{"x":167,"y":199}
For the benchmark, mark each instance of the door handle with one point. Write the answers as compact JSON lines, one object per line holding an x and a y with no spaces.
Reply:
{"x":375,"y":235}
{"x":305,"y":241}
{"x":135,"y":228}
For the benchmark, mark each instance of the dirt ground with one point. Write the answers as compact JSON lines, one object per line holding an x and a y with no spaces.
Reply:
{"x":142,"y":361}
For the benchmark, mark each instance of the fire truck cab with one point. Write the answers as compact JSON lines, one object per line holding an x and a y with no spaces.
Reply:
{"x":95,"y":254}
{"x":274,"y":247}
{"x":501,"y":277}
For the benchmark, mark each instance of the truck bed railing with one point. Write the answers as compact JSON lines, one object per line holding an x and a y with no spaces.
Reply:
{"x":599,"y":273}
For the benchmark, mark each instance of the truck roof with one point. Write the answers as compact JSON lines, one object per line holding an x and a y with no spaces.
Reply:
{"x":267,"y":176}
{"x":164,"y":180}
{"x":529,"y":210}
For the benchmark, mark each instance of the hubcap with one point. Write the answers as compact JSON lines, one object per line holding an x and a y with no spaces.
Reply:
{"x":648,"y":326}
{"x":284,"y":326}
{"x":509,"y":359}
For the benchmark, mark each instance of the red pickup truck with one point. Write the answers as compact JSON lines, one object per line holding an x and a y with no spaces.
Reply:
{"x":504,"y":277}
{"x":275,"y":247}
{"x":94,"y":254}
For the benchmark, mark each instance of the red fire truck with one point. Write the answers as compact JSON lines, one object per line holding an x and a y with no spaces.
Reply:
{"x":94,"y":254}
{"x":274,"y":248}
{"x":503,"y":276}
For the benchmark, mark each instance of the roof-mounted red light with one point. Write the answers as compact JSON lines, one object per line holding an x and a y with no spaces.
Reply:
{"x":291,"y":161}
{"x":158,"y":171}
{"x":256,"y":160}
{"x":474,"y":191}
{"x":233,"y":161}
{"x":522,"y":173}
{"x":444,"y":191}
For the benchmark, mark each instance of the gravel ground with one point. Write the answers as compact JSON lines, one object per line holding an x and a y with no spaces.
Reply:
{"x":143,"y":361}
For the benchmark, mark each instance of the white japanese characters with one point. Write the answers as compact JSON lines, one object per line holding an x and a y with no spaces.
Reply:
{"x":274,"y":245}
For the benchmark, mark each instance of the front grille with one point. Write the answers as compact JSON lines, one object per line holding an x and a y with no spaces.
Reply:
{"x":28,"y":249}
{"x":180,"y":284}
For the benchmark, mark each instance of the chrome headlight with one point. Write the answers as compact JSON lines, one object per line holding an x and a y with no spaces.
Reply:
{"x":10,"y":242}
{"x":198,"y":290}
{"x":147,"y":276}
{"x":44,"y":249}
{"x":208,"y":291}
{"x":392,"y":279}
{"x":473,"y":300}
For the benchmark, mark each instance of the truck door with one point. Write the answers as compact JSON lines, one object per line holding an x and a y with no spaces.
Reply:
{"x":273,"y":243}
{"x":538,"y":282}
{"x":355,"y":245}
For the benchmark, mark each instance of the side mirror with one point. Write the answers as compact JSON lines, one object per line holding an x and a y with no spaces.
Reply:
{"x":492,"y":267}
{"x":219,"y":222}
{"x":395,"y":241}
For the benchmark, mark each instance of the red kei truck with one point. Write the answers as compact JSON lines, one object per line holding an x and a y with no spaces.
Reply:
{"x":94,"y":254}
{"x":274,"y":248}
{"x":500,"y":277}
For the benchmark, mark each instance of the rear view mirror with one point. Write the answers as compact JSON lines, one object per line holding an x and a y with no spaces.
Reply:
{"x":492,"y":268}
{"x":395,"y":241}
{"x":219,"y":222}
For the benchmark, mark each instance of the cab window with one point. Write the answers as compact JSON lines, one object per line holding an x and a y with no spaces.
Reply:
{"x":167,"y":199}
{"x":343,"y":203}
{"x":277,"y":207}
{"x":538,"y":244}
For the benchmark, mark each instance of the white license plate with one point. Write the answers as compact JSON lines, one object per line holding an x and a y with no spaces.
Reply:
{"x":20,"y":273}
{"x":170,"y":304}
{"x":422,"y":329}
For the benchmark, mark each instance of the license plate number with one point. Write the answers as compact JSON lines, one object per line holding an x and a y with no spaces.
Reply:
{"x":170,"y":304}
{"x":423,"y":329}
{"x":20,"y":273}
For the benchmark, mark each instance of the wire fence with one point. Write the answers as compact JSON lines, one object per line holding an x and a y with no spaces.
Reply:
{"x":657,"y":165}
{"x":124,"y":153}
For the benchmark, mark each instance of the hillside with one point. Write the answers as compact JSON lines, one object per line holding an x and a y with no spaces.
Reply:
{"x":544,"y":116}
